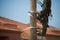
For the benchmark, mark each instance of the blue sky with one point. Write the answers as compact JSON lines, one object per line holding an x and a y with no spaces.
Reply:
{"x":17,"y":10}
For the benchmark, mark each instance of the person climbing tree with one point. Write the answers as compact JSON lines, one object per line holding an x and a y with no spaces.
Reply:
{"x":44,"y":14}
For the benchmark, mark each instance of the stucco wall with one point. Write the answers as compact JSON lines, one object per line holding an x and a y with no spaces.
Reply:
{"x":53,"y":37}
{"x":10,"y":35}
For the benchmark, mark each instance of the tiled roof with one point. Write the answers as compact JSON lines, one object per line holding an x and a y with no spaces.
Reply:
{"x":8,"y":21}
{"x":8,"y":27}
{"x":21,"y":26}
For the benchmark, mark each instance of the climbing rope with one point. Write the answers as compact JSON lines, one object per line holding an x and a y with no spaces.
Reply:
{"x":27,"y":28}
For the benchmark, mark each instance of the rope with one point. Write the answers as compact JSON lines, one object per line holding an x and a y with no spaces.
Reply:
{"x":27,"y":29}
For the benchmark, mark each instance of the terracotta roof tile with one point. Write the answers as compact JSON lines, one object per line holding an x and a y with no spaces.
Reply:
{"x":21,"y":26}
